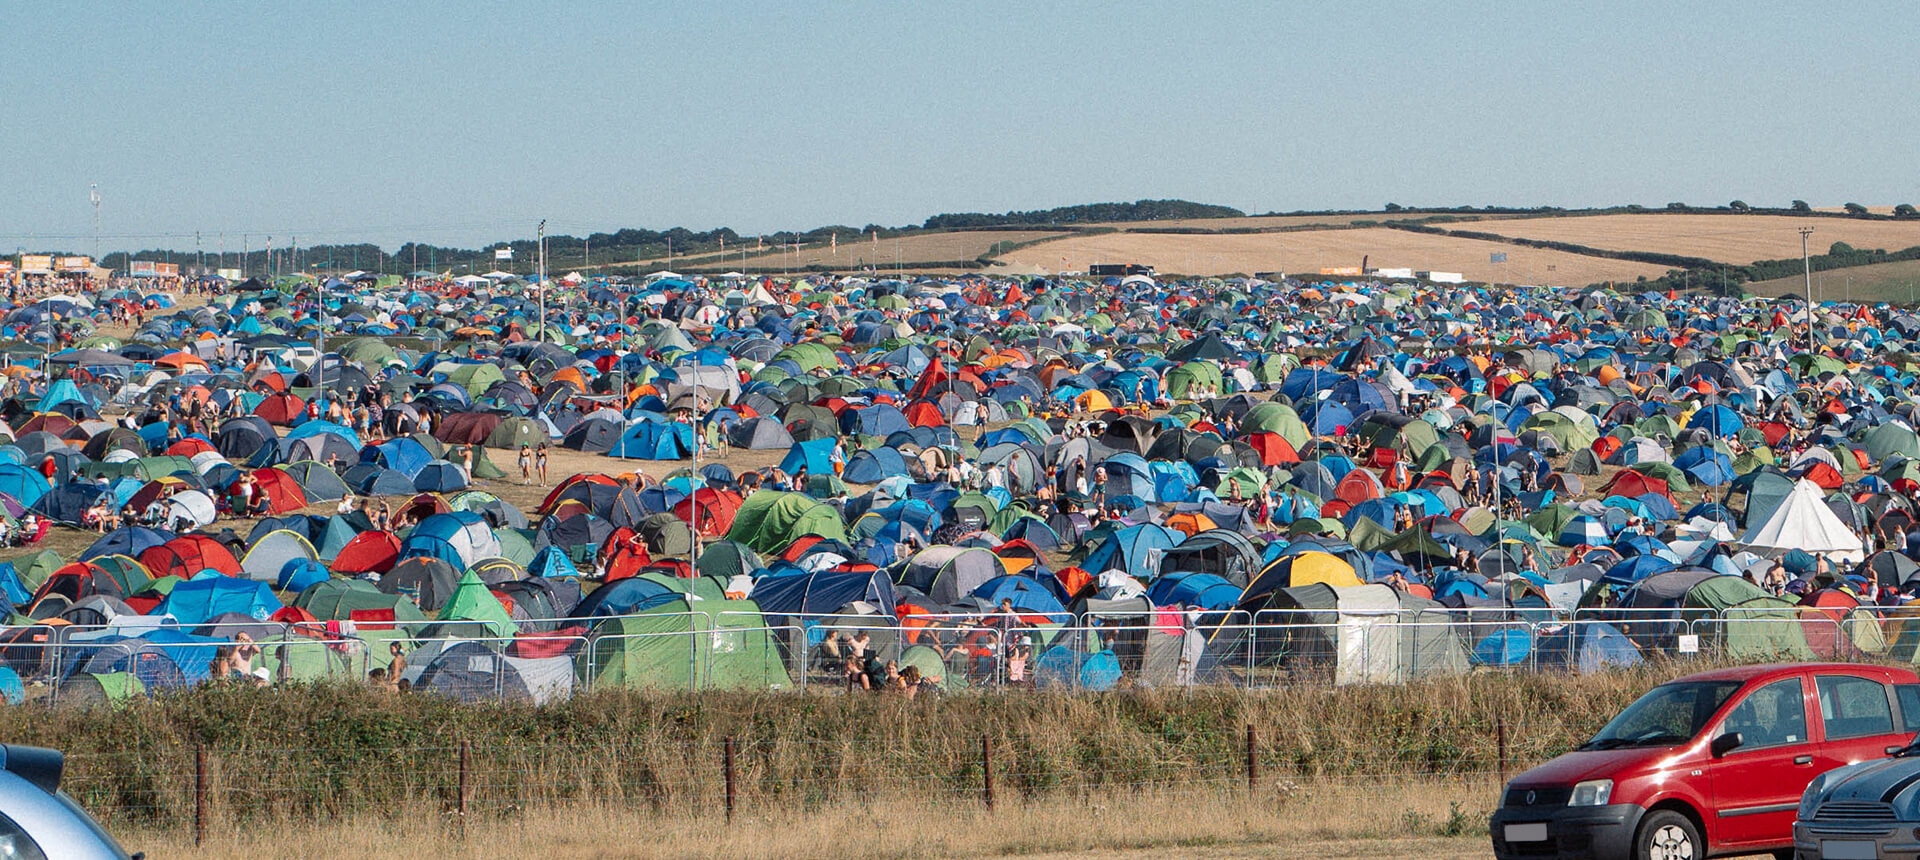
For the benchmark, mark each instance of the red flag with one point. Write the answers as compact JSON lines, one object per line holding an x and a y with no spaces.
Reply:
{"x":935,"y":374}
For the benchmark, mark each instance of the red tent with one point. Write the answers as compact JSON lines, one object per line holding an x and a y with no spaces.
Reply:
{"x":924,"y":414}
{"x":1358,"y":486}
{"x":1274,"y":449}
{"x":283,"y":492}
{"x":935,"y":374}
{"x":188,"y":447}
{"x":187,"y":555}
{"x":280,"y":409}
{"x":717,"y":509}
{"x":1632,"y":484}
{"x":368,"y":552}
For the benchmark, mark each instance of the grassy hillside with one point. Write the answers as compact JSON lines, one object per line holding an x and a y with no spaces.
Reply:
{"x":1879,"y":282}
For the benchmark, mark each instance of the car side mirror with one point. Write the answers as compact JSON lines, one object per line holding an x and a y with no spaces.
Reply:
{"x":1724,"y":744}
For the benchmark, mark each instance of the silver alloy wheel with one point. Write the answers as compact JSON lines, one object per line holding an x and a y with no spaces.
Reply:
{"x":1670,"y":842}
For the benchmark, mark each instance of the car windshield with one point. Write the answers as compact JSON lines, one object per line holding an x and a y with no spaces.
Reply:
{"x":1667,"y":714}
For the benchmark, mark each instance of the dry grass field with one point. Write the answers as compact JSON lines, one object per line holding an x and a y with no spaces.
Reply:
{"x":1879,"y":282}
{"x":1433,"y":818}
{"x":1727,"y":238}
{"x":1309,"y":251}
{"x":1263,"y":222}
{"x":854,"y":251}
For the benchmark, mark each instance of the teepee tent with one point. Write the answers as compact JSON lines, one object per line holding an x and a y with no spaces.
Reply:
{"x":1804,"y":522}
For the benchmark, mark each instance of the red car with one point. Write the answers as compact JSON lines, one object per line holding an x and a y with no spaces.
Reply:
{"x":1710,"y":764}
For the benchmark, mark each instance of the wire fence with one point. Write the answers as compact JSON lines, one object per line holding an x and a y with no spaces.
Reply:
{"x":213,"y":787}
{"x":722,"y":649}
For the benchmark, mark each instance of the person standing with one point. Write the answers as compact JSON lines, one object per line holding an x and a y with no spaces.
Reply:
{"x":540,"y":463}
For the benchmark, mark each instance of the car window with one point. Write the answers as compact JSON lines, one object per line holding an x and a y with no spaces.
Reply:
{"x":1667,"y":714}
{"x":1853,"y":707}
{"x":1773,"y":715}
{"x":1909,"y":695}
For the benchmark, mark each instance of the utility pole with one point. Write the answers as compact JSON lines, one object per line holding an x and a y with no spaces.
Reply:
{"x":540,"y":241}
{"x":1806,"y":263}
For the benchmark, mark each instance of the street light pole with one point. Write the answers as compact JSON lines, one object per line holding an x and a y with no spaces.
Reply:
{"x":1806,"y":264}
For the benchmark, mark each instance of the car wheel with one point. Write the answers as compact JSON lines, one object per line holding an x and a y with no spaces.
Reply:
{"x":1668,"y":835}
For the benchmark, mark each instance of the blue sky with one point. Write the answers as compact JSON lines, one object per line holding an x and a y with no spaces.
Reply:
{"x":465,"y":123}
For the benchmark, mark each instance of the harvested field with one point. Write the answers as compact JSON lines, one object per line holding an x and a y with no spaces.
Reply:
{"x":1728,"y":238}
{"x":1309,"y":251}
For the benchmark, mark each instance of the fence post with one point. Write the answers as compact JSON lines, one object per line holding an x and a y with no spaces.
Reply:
{"x":1500,"y":738}
{"x":199,"y":794}
{"x":729,"y":769}
{"x":466,"y":783}
{"x":1253,"y":760}
{"x":986,"y":771}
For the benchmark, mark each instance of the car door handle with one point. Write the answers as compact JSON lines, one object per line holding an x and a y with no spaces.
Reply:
{"x":1803,"y":759}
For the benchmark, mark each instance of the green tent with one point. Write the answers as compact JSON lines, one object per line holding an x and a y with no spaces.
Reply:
{"x":475,"y":378}
{"x":1271,"y":417}
{"x":722,"y":645}
{"x":472,"y":602}
{"x":1761,"y":630}
{"x":769,"y":521}
{"x":35,"y":569}
{"x":304,"y":658}
{"x":1181,"y":380}
{"x":340,"y":598}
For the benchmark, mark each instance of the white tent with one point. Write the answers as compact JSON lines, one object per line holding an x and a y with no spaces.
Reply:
{"x":1804,"y":522}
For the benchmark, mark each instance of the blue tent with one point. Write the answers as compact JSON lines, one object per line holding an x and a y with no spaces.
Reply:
{"x":1508,"y":647}
{"x":440,"y":476}
{"x":1126,"y":550}
{"x":129,"y":541}
{"x":822,"y":593}
{"x":1718,"y":420}
{"x":655,"y":440}
{"x":315,"y":428}
{"x":403,"y":455}
{"x":625,"y":597}
{"x":209,"y":594}
{"x":874,"y":466}
{"x":1060,"y":667}
{"x":1205,"y":590}
{"x":299,"y":574}
{"x":880,"y":420}
{"x":1705,"y":465}
{"x":1027,"y":594}
{"x":551,"y":562}
{"x":435,"y":536}
{"x":61,"y":391}
{"x":815,"y":456}
{"x":25,"y":485}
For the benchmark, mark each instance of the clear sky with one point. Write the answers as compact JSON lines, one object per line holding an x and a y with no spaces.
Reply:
{"x":461,"y":123}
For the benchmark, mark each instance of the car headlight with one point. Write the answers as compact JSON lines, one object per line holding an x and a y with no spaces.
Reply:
{"x":1810,"y":799}
{"x":1593,"y":792}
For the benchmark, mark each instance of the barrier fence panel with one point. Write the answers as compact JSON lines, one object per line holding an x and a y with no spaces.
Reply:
{"x":1163,"y":646}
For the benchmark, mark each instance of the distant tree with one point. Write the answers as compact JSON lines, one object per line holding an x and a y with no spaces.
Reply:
{"x":1905,"y":210}
{"x":1856,"y":209}
{"x":1838,"y":248}
{"x":1740,"y":206}
{"x":1677,"y":207}
{"x":1393,"y":207}
{"x":1800,"y":206}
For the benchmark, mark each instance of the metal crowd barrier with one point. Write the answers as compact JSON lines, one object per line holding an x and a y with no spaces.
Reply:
{"x":702,"y":649}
